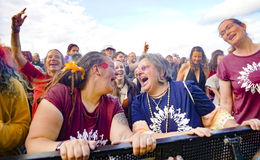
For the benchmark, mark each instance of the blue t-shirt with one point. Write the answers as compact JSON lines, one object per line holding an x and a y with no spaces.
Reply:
{"x":183,"y":113}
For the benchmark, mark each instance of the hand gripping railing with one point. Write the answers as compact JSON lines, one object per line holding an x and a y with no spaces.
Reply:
{"x":226,"y":144}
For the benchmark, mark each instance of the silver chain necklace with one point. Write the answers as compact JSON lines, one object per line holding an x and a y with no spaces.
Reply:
{"x":167,"y":111}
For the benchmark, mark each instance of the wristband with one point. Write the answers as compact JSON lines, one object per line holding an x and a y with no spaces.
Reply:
{"x":15,"y":29}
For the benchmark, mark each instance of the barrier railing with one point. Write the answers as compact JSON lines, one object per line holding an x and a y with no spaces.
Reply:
{"x":238,"y":143}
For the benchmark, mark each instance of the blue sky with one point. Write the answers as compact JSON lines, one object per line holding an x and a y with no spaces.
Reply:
{"x":169,"y":26}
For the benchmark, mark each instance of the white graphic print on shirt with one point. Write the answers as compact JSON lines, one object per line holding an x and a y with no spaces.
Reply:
{"x":246,"y":82}
{"x":178,"y":117}
{"x":91,"y":136}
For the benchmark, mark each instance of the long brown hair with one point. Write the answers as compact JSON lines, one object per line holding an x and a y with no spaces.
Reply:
{"x":74,"y":79}
{"x":213,"y":62}
{"x":204,"y":61}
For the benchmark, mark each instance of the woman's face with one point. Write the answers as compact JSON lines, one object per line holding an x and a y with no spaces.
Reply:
{"x":107,"y":73}
{"x":73,"y":50}
{"x":196,"y":57}
{"x":231,"y":32}
{"x":120,"y":70}
{"x":148,"y":75}
{"x":53,"y":61}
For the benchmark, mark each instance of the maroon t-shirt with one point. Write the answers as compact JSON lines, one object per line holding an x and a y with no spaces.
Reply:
{"x":244,"y":74}
{"x":83,"y":125}
{"x":38,"y":80}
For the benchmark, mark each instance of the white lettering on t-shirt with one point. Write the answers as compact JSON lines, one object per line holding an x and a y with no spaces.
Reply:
{"x":179,"y":118}
{"x":91,"y":136}
{"x":244,"y":78}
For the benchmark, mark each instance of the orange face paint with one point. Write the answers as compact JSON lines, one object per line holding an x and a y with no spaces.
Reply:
{"x":197,"y":53}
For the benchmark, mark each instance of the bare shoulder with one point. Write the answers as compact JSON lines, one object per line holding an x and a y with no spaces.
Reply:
{"x":185,"y":66}
{"x":182,"y":72}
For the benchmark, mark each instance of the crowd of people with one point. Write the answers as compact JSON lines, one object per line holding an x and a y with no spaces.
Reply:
{"x":82,"y":101}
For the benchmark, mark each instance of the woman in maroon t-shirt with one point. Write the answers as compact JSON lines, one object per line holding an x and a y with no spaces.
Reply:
{"x":239,"y":74}
{"x":77,"y":111}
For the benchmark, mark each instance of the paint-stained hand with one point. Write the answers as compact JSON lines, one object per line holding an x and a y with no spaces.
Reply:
{"x":17,"y":20}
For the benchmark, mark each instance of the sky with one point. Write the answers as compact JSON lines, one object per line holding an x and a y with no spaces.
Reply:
{"x":168,"y":26}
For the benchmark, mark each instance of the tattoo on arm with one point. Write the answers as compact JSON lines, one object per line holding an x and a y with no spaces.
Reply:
{"x":121,"y":119}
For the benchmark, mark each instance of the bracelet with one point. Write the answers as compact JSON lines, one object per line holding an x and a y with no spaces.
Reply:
{"x":220,"y":119}
{"x":58,"y":146}
{"x":148,"y":132}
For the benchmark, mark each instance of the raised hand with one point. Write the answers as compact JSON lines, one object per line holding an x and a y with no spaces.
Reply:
{"x":146,"y":47}
{"x":17,"y":21}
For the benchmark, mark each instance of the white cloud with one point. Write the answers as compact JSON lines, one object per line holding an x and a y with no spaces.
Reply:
{"x":231,"y":8}
{"x":54,"y":24}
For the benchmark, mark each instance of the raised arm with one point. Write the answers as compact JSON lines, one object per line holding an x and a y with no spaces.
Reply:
{"x":17,"y":21}
{"x":120,"y":133}
{"x":146,"y":48}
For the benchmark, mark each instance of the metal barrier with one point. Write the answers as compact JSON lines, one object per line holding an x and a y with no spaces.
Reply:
{"x":238,"y":143}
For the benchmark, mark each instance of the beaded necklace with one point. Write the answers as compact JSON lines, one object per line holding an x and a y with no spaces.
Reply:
{"x":157,"y":104}
{"x":167,"y":110}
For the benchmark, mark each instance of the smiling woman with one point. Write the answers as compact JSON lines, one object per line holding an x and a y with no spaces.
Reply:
{"x":124,"y":89}
{"x":196,"y":69}
{"x":169,"y":108}
{"x":53,"y":62}
{"x":77,"y":113}
{"x":239,"y":73}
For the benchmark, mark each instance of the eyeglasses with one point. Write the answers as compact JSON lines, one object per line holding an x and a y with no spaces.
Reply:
{"x":227,"y":28}
{"x":141,"y":69}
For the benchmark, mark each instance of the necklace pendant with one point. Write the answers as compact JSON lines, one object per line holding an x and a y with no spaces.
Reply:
{"x":157,"y":108}
{"x":166,"y":110}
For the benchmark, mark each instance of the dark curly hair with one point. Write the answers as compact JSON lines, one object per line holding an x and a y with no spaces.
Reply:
{"x":6,"y":72}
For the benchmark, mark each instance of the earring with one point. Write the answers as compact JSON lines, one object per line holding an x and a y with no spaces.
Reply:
{"x":160,"y":81}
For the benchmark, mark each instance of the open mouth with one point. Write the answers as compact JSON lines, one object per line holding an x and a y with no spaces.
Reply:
{"x":113,"y":78}
{"x":231,"y":37}
{"x":120,"y":73}
{"x":143,"y":80}
{"x":53,"y":64}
